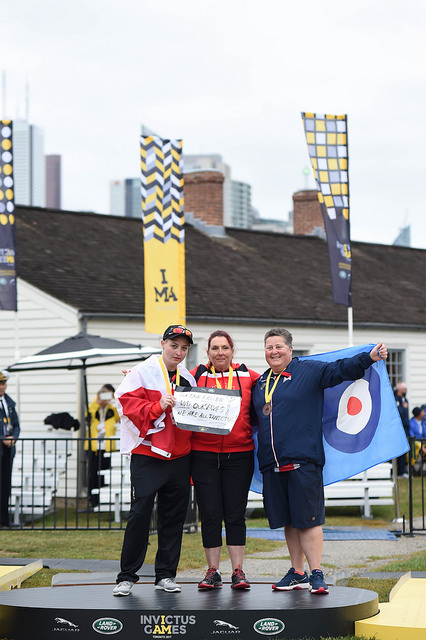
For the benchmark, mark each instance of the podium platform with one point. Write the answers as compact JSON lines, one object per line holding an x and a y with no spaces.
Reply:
{"x":88,"y":610}
{"x":404,"y":616}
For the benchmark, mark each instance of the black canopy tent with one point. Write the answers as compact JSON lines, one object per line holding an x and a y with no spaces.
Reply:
{"x":83,"y":351}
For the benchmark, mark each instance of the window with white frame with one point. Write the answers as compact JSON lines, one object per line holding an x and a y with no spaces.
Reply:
{"x":192,"y":357}
{"x":395,"y":366}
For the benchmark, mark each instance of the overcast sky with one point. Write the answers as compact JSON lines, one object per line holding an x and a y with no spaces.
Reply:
{"x":228,"y":77}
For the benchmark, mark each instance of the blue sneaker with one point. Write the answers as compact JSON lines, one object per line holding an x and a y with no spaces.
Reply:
{"x":292,"y":580}
{"x":317,"y":582}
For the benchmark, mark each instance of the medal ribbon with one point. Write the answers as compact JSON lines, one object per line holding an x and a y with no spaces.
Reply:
{"x":230,"y":375}
{"x":268,"y":394}
{"x":166,"y":376}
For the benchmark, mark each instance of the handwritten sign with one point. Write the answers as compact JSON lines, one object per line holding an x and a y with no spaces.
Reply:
{"x":205,"y":409}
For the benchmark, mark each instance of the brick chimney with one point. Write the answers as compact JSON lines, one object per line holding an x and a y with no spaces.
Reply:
{"x":307,"y":215}
{"x":203,"y":193}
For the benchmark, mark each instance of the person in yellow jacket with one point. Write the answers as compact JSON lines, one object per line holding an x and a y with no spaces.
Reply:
{"x":102,"y":418}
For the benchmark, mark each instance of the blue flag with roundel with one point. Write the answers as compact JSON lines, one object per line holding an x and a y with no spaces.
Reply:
{"x":361,"y":423}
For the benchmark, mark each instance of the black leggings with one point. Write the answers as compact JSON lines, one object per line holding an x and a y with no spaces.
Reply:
{"x":222,"y":482}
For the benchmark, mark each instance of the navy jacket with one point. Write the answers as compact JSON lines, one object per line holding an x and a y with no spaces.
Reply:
{"x":293,"y":431}
{"x":13,"y":417}
{"x":403,"y":411}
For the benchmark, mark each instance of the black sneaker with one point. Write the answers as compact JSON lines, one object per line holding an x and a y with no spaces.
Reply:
{"x":212,"y":579}
{"x":239,"y":580}
{"x":291,"y":581}
{"x":317,"y":582}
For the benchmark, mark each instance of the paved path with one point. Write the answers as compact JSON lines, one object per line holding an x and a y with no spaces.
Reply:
{"x":341,"y":559}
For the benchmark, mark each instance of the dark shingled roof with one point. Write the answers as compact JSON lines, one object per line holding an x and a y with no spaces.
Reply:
{"x":95,"y":264}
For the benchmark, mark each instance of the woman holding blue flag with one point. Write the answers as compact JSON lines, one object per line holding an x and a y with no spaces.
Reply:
{"x":287,"y":402}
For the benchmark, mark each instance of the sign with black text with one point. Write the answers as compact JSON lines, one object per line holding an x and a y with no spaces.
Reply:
{"x":206,"y":409}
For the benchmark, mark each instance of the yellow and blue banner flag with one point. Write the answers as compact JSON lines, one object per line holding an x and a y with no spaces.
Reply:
{"x":163,"y":232}
{"x":327,"y":139}
{"x":8,"y":292}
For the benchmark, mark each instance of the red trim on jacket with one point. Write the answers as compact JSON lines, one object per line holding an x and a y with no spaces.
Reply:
{"x":141,"y":406}
{"x":241,"y":436}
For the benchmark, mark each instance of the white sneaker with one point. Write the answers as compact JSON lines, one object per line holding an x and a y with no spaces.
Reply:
{"x":168,"y":584}
{"x":123,"y":588}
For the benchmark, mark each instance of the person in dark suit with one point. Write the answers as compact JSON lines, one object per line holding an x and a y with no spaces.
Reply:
{"x":402,"y":406}
{"x":9,"y":432}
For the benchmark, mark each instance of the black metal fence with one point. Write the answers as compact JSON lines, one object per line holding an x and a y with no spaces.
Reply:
{"x":417,"y":468}
{"x":57,"y":484}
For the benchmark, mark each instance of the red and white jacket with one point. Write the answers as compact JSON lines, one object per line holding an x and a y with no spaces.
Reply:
{"x":145,"y":428}
{"x":241,"y":436}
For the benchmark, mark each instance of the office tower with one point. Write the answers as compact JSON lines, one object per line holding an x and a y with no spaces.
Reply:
{"x":29,"y":164}
{"x":132,"y":194}
{"x":116,"y":197}
{"x":241,"y":209}
{"x":403,"y":239}
{"x":53,"y":182}
{"x":125,"y":197}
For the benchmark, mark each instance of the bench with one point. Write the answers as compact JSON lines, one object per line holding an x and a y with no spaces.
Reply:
{"x":37,"y":468}
{"x":369,"y":488}
{"x":30,"y":502}
{"x":115,"y":495}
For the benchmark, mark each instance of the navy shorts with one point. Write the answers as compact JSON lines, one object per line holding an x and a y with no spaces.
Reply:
{"x":295,"y":497}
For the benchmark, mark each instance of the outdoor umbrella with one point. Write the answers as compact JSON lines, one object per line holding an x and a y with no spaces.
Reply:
{"x":81,"y":352}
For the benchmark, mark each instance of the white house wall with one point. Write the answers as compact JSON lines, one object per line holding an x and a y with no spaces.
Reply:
{"x":42,"y":321}
{"x":248,"y":341}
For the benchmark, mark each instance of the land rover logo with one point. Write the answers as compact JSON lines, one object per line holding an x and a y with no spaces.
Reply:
{"x":107,"y":625}
{"x":269,"y":626}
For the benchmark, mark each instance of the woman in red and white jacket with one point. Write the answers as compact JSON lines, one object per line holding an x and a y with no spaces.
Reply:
{"x":222,"y":465}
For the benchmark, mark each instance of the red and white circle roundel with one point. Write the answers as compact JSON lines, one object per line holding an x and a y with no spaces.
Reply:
{"x":351,"y":413}
{"x":354,"y":408}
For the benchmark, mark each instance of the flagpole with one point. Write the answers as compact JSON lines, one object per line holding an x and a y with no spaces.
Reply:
{"x":350,"y":327}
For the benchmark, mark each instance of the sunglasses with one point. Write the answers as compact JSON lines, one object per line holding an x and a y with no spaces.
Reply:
{"x":181,"y":331}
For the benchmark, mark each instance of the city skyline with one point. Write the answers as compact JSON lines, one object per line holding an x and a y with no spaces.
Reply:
{"x":229,"y":79}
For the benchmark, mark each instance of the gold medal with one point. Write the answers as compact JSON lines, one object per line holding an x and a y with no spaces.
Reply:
{"x":266,"y":409}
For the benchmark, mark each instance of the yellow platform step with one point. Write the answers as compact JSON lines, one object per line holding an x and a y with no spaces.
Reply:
{"x":12,"y":577}
{"x":403,"y":617}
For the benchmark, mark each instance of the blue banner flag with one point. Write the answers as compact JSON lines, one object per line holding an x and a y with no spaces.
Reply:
{"x":8,"y":300}
{"x":361,"y":423}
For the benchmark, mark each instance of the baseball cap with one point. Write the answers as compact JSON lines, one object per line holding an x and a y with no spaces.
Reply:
{"x":176,"y":330}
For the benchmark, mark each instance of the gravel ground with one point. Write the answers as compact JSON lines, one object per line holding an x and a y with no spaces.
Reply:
{"x":341,"y":559}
